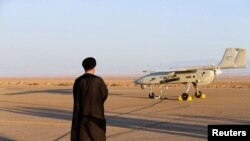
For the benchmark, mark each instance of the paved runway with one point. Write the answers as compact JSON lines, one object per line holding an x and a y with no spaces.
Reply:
{"x":38,"y":113}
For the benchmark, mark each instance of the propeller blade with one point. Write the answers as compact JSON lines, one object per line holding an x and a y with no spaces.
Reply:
{"x":217,"y":72}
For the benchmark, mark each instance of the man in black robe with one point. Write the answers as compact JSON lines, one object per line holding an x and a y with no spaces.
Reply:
{"x":90,"y":93}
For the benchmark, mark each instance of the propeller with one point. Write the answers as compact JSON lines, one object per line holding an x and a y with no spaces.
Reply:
{"x":217,"y":72}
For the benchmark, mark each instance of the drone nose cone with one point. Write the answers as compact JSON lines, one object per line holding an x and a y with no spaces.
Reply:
{"x":137,"y":81}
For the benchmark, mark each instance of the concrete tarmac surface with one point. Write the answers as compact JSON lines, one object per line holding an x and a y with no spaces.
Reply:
{"x":43,"y":113}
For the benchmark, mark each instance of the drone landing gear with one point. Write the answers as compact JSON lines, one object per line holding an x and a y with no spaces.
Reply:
{"x":198,"y":94}
{"x":151,"y":94}
{"x":187,"y":97}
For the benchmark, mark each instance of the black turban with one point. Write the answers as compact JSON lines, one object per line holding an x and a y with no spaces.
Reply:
{"x":89,"y":63}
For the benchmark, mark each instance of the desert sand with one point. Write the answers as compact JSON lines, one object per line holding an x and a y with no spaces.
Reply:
{"x":40,"y":109}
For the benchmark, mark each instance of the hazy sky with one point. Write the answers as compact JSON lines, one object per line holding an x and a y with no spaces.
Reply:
{"x":52,"y":37}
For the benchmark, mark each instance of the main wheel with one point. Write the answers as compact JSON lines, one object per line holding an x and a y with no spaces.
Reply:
{"x":198,"y":94}
{"x":151,"y":95}
{"x":184,"y":96}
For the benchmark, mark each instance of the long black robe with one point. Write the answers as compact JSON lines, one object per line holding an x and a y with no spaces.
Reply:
{"x":88,"y":122}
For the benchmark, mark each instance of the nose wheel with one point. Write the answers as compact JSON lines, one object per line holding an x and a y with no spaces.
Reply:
{"x":151,"y":95}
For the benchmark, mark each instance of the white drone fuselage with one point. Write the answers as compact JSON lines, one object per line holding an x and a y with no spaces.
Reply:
{"x":202,"y":77}
{"x":197,"y":75}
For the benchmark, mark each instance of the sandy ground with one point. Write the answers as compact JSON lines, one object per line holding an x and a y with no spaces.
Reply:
{"x":43,"y":112}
